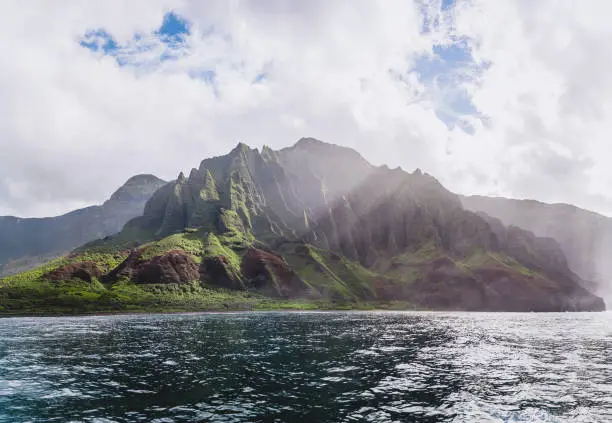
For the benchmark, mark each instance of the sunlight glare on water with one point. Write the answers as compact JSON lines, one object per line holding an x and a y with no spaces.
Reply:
{"x":307,"y":367}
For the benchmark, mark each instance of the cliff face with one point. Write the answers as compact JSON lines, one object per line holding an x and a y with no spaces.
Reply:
{"x":584,"y":237}
{"x":411,"y":229}
{"x":26,"y":242}
{"x":317,"y":221}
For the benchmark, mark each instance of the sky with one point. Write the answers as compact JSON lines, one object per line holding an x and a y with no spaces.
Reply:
{"x":494,"y":97}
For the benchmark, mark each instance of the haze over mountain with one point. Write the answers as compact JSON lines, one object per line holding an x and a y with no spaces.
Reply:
{"x":317,"y":222}
{"x":584,"y":236}
{"x":27,"y":242}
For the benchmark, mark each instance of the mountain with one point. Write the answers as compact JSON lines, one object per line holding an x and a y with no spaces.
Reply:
{"x":585,"y":237}
{"x":314,"y":223}
{"x":26,"y":242}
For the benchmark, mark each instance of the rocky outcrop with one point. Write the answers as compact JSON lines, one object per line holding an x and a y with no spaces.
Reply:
{"x":217,"y":270}
{"x":84,"y":271}
{"x":501,"y":289}
{"x":322,"y":173}
{"x":269,"y":272}
{"x":175,"y":266}
{"x":542,"y":253}
{"x":445,"y":286}
{"x":392,"y":211}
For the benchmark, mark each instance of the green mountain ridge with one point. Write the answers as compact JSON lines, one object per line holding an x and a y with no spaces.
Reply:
{"x":312,"y":225}
{"x":24,"y":242}
{"x":585,"y":237}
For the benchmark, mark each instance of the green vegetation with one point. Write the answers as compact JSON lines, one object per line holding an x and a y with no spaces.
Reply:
{"x":190,"y":242}
{"x":130,"y":237}
{"x":209,"y":192}
{"x":407,"y":266}
{"x":106,"y":260}
{"x":339,"y":282}
{"x":214,"y":248}
{"x":234,"y":233}
{"x":328,"y":273}
{"x":79,"y":297}
{"x":238,"y":199}
{"x":488,"y":259}
{"x":31,"y":276}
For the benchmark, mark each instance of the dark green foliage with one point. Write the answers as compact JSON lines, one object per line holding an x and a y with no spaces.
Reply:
{"x":330,"y":274}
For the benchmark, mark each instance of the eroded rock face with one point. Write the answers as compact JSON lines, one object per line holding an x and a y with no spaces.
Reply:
{"x":264,"y":270}
{"x":218,"y":271}
{"x":388,"y":213}
{"x":445,"y":286}
{"x":496,"y":289}
{"x":84,"y":271}
{"x":584,"y":237}
{"x":175,"y":266}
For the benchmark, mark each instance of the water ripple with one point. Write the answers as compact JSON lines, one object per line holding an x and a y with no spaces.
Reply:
{"x":306,"y":367}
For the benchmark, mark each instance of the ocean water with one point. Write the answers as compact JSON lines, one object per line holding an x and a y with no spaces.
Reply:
{"x":308,"y":367}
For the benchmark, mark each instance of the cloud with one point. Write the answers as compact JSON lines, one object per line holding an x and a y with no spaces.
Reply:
{"x":501,"y":97}
{"x":548,"y":98}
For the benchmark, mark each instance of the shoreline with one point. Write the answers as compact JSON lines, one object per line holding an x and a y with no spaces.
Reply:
{"x":279,"y":310}
{"x":309,"y":307}
{"x":275,"y":310}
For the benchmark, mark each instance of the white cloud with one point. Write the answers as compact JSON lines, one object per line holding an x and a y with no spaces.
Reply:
{"x":549,"y":98}
{"x":74,"y":124}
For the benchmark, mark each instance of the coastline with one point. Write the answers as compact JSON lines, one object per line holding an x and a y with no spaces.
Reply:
{"x":363,"y":308}
{"x":261,"y":307}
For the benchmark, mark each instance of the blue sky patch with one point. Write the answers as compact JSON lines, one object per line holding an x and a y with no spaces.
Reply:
{"x":206,"y":75}
{"x":165,"y":43}
{"x":447,"y":4}
{"x":445,"y":70}
{"x":99,"y":40}
{"x":174,"y":26}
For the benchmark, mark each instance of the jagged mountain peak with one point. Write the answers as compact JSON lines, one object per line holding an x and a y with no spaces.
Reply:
{"x":195,"y":174}
{"x":241,"y":148}
{"x":137,"y":187}
{"x":315,"y":146}
{"x":143,"y":178}
{"x":306,"y":142}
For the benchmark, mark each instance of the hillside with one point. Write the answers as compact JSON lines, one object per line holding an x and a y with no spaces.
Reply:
{"x":584,"y":237}
{"x":26,"y":242}
{"x":312,"y":225}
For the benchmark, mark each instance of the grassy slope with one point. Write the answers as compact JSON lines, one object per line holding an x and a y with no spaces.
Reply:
{"x":340,"y":282}
{"x":330,"y":274}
